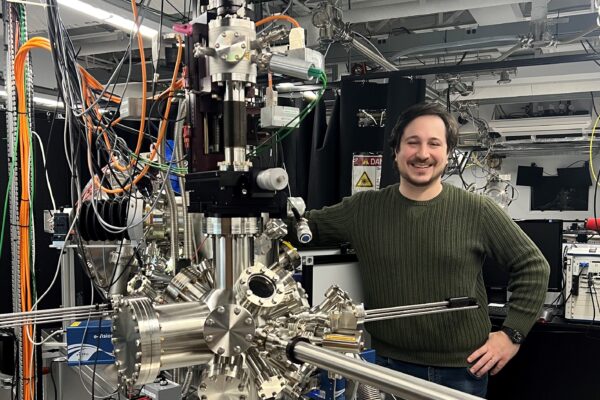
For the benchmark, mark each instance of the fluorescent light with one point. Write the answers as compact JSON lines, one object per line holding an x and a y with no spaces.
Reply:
{"x":112,"y":19}
{"x":40,"y":101}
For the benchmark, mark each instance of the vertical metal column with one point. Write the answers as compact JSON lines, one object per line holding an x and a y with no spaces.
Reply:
{"x":11,"y":128}
{"x":67,"y":280}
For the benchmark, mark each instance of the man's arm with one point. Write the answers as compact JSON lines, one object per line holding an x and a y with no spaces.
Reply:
{"x":332,"y":225}
{"x":529,"y":272}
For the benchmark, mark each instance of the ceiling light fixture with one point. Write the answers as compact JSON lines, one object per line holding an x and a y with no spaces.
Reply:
{"x":112,"y":19}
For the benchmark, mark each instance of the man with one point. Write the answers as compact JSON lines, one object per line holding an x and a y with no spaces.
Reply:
{"x":423,"y":241}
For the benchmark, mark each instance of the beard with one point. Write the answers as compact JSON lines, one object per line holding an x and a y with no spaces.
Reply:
{"x":435,"y":176}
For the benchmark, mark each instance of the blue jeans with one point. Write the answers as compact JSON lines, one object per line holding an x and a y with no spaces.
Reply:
{"x":456,"y":378}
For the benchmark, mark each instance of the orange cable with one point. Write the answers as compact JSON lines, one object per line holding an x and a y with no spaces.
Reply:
{"x":278,"y":17}
{"x":25,"y":206}
{"x":161,"y":132}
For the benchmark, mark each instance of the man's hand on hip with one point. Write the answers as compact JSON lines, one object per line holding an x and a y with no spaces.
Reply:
{"x":493,"y":355}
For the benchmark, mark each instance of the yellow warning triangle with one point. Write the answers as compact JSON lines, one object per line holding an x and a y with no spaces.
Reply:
{"x":364,"y":181}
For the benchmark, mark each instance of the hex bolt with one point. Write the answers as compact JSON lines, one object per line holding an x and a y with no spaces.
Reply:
{"x":209,"y":338}
{"x":243,"y":45}
{"x":249,"y":337}
{"x":237,"y":311}
{"x":220,"y":309}
{"x":237,"y":349}
{"x":248,"y":321}
{"x":209,"y":322}
{"x":224,"y":34}
{"x":221,"y":350}
{"x":217,"y":45}
{"x":236,"y":34}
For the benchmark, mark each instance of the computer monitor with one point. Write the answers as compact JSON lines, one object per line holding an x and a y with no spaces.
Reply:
{"x":547,"y":235}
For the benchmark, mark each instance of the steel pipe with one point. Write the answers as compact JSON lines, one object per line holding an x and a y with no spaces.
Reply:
{"x":387,"y":380}
{"x":49,"y":320}
{"x":403,"y":314}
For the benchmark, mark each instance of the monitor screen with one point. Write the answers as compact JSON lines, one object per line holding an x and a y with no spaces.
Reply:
{"x":547,"y":235}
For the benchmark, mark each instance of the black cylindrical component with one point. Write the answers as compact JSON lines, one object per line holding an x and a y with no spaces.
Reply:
{"x":112,"y":211}
{"x":234,"y":124}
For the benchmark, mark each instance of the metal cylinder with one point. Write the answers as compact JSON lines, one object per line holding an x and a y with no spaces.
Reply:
{"x":182,"y":334}
{"x":290,"y":66}
{"x":149,"y":338}
{"x":387,"y":380}
{"x":232,"y":247}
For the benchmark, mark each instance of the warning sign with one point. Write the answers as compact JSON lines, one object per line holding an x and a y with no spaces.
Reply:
{"x":364,"y":181}
{"x":366,"y":172}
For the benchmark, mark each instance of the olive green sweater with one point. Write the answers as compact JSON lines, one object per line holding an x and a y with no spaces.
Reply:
{"x":425,"y":251}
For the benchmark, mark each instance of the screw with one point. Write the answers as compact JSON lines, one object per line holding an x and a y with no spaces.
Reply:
{"x":220,"y":309}
{"x":209,"y":338}
{"x":236,"y":34}
{"x":224,"y":34}
{"x":237,"y":349}
{"x":243,"y":45}
{"x":237,"y":57}
{"x":244,"y":191}
{"x":220,"y":350}
{"x":217,"y":45}
{"x":209,"y":322}
{"x":202,"y":387}
{"x":237,"y":311}
{"x":248,"y":321}
{"x":223,"y":57}
{"x":249,"y":337}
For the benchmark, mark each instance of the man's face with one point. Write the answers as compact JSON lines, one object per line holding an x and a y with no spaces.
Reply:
{"x":423,"y":151}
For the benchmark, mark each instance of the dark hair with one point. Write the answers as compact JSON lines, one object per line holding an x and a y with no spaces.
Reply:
{"x":419,"y":110}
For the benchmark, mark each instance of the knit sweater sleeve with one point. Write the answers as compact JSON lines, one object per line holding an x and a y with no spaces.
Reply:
{"x":529,"y":271}
{"x":335,"y":224}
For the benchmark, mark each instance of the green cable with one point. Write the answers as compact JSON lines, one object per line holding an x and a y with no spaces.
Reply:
{"x":286,"y":130}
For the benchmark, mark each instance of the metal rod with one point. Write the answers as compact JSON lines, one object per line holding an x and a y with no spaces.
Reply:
{"x":60,"y":310}
{"x":387,"y":380}
{"x":48,"y":320}
{"x":414,"y":314}
{"x":409,"y":307}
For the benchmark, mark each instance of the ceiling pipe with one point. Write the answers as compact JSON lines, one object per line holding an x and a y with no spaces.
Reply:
{"x":415,"y":8}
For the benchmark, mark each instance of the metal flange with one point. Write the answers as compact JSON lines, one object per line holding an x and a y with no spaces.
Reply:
{"x":229,"y":330}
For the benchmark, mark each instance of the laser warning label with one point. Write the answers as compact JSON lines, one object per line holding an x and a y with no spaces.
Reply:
{"x":366,"y":172}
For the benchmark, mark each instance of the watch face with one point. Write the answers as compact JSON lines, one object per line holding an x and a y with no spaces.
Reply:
{"x":514,"y":335}
{"x":517,"y":337}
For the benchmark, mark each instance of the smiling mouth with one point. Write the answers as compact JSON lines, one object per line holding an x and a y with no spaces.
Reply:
{"x":420,"y":166}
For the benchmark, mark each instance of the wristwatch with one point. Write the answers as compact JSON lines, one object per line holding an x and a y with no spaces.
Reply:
{"x":514,"y":335}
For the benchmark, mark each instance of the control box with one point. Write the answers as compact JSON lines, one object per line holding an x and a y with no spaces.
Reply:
{"x":89,"y":342}
{"x":583,"y":283}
